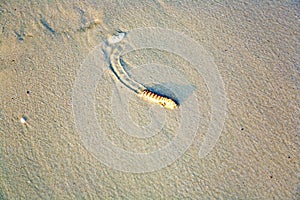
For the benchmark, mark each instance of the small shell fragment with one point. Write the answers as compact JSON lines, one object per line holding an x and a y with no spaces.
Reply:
{"x":23,"y":119}
{"x":116,"y":38}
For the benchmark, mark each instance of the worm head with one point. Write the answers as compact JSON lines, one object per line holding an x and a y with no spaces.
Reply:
{"x":169,"y":104}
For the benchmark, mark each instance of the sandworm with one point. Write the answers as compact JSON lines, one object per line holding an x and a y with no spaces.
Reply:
{"x":139,"y":89}
{"x":163,"y":101}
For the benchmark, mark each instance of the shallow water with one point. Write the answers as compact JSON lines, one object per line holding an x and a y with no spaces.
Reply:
{"x":43,"y":46}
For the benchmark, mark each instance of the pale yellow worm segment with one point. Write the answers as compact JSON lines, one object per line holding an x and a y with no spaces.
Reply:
{"x":158,"y":99}
{"x":138,"y":88}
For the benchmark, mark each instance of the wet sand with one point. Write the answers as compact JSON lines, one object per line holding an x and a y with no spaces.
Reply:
{"x":255,"y":47}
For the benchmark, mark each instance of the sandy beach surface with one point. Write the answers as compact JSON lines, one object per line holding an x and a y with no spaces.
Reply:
{"x":50,"y":151}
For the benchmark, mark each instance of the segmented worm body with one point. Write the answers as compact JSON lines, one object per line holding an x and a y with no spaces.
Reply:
{"x":139,"y":89}
{"x":158,"y":99}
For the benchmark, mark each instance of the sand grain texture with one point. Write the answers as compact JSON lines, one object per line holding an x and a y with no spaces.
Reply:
{"x":256,"y":49}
